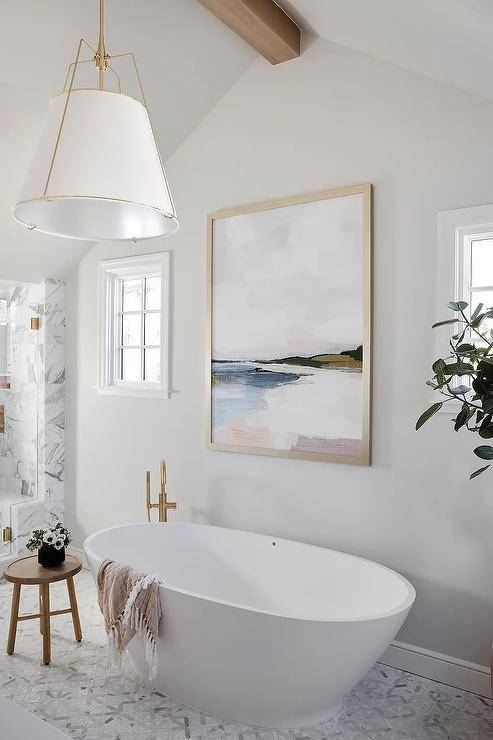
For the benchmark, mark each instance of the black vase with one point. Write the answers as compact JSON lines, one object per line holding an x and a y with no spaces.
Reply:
{"x":50,"y":557}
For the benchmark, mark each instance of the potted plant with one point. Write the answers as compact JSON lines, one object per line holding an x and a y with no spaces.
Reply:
{"x":466,"y":374}
{"x":50,"y":544}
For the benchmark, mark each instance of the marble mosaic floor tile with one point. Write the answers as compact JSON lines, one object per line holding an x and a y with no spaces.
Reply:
{"x":84,"y":696}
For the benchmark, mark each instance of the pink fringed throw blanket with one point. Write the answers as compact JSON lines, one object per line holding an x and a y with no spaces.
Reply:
{"x":130,"y":604}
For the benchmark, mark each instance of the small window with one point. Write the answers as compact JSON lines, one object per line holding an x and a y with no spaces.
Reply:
{"x":134,"y":325}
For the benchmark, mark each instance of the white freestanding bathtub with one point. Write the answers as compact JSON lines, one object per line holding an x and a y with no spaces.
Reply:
{"x":258,"y":629}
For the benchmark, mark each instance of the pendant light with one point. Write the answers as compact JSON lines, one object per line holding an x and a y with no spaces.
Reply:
{"x":97,"y":173}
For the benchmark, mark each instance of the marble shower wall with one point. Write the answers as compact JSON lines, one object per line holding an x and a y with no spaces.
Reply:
{"x":19,"y":443}
{"x":52,"y":424}
{"x":32,"y":450}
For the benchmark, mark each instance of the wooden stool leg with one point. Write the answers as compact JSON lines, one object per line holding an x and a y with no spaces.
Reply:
{"x":40,"y":610}
{"x":75,"y":609}
{"x":45,"y":619}
{"x":14,"y":615}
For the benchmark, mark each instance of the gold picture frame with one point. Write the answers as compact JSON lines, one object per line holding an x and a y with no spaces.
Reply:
{"x":363,"y":456}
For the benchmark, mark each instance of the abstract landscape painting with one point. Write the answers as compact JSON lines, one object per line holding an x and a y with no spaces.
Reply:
{"x":289,"y":354}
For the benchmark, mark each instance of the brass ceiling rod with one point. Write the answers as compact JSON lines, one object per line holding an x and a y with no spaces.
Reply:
{"x":101,"y":57}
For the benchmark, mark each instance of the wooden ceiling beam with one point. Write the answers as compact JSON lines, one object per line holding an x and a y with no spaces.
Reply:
{"x":262,"y":24}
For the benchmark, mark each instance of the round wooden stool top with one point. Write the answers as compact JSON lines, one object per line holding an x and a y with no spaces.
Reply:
{"x":29,"y":572}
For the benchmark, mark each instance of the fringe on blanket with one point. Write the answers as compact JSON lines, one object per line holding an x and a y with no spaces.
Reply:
{"x":113,"y":642}
{"x":133,"y":618}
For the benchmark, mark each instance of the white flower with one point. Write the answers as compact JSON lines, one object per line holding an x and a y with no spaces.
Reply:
{"x":59,"y":543}
{"x":49,"y":537}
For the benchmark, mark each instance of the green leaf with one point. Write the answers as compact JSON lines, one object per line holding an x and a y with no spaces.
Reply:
{"x":428,"y":414}
{"x":439,"y":366}
{"x":442,"y":323}
{"x":476,"y":311}
{"x":486,"y":420}
{"x":432,"y":385}
{"x":465,"y":349}
{"x":457,"y":305}
{"x":477,"y":321}
{"x":458,"y":337}
{"x":478,"y":472}
{"x":479,"y":416}
{"x":485,"y":452}
{"x":486,"y":432}
{"x":487,"y":404}
{"x":461,"y":418}
{"x":459,"y":368}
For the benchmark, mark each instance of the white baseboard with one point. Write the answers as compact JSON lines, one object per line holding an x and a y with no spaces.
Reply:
{"x":439,"y":667}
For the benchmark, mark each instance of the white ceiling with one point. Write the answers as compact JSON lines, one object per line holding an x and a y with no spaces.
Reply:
{"x":188,"y":60}
{"x":449,"y":40}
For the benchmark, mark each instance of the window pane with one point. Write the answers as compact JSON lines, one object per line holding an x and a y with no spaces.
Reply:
{"x":153,"y":365}
{"x":153,"y":328}
{"x":482,"y":262}
{"x":153,"y":293}
{"x":486,"y":298}
{"x":132,"y":329}
{"x":131,"y":364}
{"x":481,"y":296}
{"x":132,"y":295}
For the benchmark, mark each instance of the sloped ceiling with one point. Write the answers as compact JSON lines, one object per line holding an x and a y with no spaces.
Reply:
{"x":188,"y":60}
{"x":449,"y":40}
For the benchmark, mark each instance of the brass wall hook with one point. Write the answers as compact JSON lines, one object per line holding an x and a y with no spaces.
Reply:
{"x":163,"y":504}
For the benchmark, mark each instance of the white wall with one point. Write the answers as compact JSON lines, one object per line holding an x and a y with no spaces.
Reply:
{"x":332,"y":118}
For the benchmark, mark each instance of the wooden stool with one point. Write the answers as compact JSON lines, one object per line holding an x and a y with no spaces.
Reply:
{"x":27,"y":571}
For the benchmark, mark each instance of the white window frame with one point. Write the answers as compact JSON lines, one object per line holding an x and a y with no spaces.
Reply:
{"x":110,"y":272}
{"x":457,"y":229}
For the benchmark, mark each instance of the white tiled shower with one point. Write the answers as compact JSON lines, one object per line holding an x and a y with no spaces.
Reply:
{"x":32,"y":386}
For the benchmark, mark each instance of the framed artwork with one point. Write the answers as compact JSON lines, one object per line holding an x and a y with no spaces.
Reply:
{"x":289,"y":342}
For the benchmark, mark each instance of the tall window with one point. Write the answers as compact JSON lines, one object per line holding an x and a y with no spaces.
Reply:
{"x":464,"y":270}
{"x":134,"y":325}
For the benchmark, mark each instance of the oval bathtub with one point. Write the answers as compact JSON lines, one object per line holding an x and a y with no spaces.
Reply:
{"x":257,"y":629}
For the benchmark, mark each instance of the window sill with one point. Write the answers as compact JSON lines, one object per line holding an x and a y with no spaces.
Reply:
{"x":110,"y":390}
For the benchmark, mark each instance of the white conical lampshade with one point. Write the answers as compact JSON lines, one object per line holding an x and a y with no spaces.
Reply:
{"x":97,"y":173}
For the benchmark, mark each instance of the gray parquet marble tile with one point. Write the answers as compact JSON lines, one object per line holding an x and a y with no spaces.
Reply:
{"x":88,"y":699}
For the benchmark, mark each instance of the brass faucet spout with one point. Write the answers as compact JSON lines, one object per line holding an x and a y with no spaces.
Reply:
{"x":163,"y":504}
